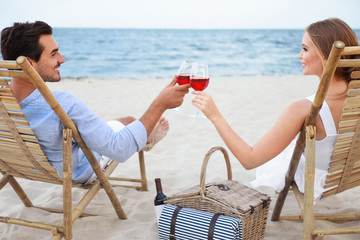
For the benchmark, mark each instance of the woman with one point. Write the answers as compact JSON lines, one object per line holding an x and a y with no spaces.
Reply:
{"x":316,"y":46}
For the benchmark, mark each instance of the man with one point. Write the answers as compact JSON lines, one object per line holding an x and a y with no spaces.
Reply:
{"x":36,"y":43}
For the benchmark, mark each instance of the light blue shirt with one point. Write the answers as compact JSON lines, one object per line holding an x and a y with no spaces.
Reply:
{"x":96,"y":133}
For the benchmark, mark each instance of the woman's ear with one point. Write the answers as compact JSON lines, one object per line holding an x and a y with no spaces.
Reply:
{"x":324,"y":61}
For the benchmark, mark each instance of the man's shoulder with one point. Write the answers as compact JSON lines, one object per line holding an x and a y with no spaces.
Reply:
{"x":65,"y":96}
{"x":63,"y":93}
{"x":67,"y":99}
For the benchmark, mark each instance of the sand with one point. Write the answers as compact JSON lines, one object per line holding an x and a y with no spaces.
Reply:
{"x":250,"y":104}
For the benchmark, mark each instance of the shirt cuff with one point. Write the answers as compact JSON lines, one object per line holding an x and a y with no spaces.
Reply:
{"x":139,"y":133}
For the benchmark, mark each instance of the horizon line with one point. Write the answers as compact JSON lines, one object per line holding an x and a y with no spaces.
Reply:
{"x":180,"y":28}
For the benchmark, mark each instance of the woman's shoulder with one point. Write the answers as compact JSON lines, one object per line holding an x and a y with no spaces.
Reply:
{"x":300,"y":106}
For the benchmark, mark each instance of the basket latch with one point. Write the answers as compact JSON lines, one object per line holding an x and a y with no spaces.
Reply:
{"x":265,"y":203}
{"x":222,"y":187}
{"x":252,"y":209}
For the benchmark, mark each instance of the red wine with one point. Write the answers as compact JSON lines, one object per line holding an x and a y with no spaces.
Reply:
{"x":182,"y":79}
{"x":199,"y":84}
{"x":159,"y":199}
{"x":160,"y":196}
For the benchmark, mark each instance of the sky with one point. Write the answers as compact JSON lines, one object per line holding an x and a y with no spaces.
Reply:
{"x":185,"y":14}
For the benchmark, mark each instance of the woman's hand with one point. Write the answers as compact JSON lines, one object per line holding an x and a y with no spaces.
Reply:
{"x":206,"y":104}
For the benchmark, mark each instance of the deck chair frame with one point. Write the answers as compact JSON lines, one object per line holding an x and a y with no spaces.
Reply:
{"x":307,"y":139}
{"x":22,"y":68}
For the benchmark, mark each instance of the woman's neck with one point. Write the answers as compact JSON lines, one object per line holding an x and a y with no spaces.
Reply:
{"x":337,"y":89}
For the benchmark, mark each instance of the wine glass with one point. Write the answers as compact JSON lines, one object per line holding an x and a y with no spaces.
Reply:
{"x":199,"y":80}
{"x":183,"y":77}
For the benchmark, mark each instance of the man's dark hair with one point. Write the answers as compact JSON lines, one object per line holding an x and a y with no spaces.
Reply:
{"x":22,"y":39}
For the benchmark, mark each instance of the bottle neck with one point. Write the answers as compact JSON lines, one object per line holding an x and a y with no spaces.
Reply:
{"x":158,"y":185}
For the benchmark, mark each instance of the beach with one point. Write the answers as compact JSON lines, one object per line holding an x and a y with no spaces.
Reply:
{"x":250,"y":104}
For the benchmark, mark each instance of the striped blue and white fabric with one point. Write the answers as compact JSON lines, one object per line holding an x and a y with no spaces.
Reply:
{"x":192,"y":224}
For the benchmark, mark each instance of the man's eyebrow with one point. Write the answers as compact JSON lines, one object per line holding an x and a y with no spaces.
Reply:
{"x":54,"y":50}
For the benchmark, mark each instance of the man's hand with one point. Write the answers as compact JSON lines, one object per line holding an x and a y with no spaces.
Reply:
{"x":172,"y":95}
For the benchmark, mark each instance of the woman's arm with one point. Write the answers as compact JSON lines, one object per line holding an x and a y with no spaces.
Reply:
{"x":270,"y":145}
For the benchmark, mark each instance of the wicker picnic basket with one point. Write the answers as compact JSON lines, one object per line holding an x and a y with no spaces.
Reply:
{"x":229,"y":198}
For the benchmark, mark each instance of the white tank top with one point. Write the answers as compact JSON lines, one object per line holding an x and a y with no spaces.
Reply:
{"x":273,"y":172}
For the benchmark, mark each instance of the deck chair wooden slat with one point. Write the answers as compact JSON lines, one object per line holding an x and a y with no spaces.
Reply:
{"x":24,"y":172}
{"x":340,"y":167}
{"x":334,"y":178}
{"x":350,"y":115}
{"x":334,"y":191}
{"x":22,"y":156}
{"x":337,"y":159}
{"x":348,"y":123}
{"x":26,"y":137}
{"x":12,"y":107}
{"x":340,"y":152}
{"x":5,"y":91}
{"x":355,"y":74}
{"x":11,"y":149}
{"x":18,"y":163}
{"x":353,"y":100}
{"x":353,"y":178}
{"x":17,"y":115}
{"x":12,"y":141}
{"x":17,"y":122}
{"x":343,"y":144}
{"x":346,"y":130}
{"x":4,"y":82}
{"x":10,"y":168}
{"x":8,"y":100}
{"x":344,"y":170}
{"x":17,"y":158}
{"x":9,"y":65}
{"x":349,"y":63}
{"x":347,"y":137}
{"x":352,"y":108}
{"x":336,"y":169}
{"x":24,"y":130}
{"x":353,"y":92}
{"x":29,"y":172}
{"x":13,"y":73}
{"x":15,"y":153}
{"x":337,"y":163}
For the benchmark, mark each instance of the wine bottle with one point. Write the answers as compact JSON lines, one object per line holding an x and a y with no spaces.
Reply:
{"x":159,"y":198}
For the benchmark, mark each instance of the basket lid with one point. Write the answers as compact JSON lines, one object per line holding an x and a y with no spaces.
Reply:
{"x":230,"y":193}
{"x":237,"y":195}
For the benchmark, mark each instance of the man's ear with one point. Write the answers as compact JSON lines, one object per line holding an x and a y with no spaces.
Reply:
{"x":30,"y":61}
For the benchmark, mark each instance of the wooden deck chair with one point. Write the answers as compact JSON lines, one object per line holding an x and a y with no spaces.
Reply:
{"x":21,"y":155}
{"x":344,"y":170}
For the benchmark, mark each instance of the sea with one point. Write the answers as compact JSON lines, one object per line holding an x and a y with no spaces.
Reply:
{"x":158,"y":53}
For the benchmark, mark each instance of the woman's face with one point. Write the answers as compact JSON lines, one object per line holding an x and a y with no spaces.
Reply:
{"x":311,"y":62}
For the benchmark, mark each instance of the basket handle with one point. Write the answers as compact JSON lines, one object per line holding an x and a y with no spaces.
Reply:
{"x":205,"y":163}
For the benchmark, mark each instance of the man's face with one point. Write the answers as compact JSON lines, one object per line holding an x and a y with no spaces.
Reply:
{"x":50,"y":59}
